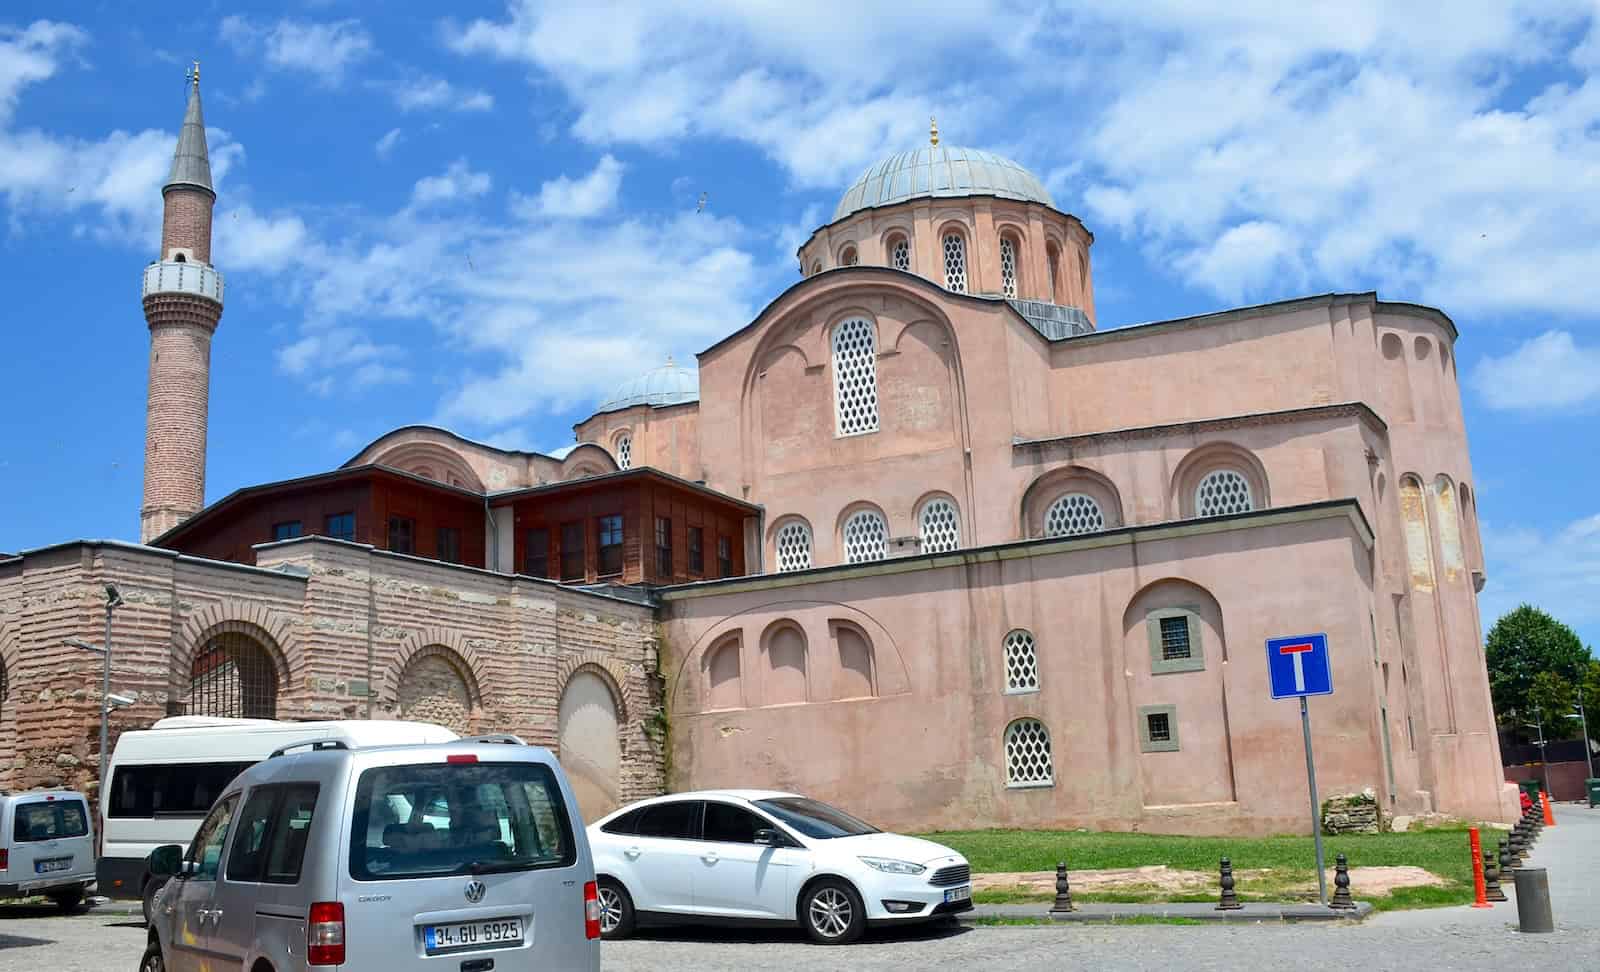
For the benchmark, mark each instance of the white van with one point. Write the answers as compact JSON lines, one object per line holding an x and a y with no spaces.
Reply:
{"x":165,"y":778}
{"x":46,"y":846}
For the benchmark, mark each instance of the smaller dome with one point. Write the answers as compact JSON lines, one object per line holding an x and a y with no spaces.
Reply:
{"x":941,"y":171}
{"x":666,"y":385}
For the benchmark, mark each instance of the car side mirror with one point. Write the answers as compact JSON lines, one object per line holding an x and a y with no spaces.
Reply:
{"x":768,"y":837}
{"x":166,"y":861}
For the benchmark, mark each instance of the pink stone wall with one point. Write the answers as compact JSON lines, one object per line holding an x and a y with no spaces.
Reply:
{"x":667,"y":438}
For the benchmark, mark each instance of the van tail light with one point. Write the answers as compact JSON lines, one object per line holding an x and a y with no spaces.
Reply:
{"x":5,"y":858}
{"x":591,"y":910}
{"x":325,"y":934}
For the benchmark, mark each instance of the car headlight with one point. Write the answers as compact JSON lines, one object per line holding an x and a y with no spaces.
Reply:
{"x":892,"y":866}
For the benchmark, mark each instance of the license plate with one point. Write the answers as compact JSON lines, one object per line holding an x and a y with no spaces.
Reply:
{"x":498,"y":933}
{"x":958,"y":894}
{"x":54,"y":864}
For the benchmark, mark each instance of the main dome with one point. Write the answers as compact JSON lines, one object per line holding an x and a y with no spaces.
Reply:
{"x":666,"y":385}
{"x":941,"y":171}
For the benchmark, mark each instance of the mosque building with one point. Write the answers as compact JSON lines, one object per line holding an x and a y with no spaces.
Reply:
{"x":920,"y":539}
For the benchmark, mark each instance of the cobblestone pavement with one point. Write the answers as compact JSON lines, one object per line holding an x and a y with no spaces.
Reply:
{"x":1451,"y":938}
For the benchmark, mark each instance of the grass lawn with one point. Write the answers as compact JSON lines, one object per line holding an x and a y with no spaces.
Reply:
{"x":1443,"y":851}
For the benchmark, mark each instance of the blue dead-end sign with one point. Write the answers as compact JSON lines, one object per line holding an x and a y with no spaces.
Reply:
{"x":1298,"y":666}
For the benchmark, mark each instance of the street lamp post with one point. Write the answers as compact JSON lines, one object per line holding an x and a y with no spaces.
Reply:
{"x":1588,"y":755}
{"x":113,"y":601}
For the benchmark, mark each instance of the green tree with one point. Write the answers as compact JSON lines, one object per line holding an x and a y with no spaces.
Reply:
{"x":1552,"y":697}
{"x":1521,"y":645}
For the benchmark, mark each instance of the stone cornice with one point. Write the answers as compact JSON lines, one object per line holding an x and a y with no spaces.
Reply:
{"x":1286,"y":416}
{"x":1345,"y":509}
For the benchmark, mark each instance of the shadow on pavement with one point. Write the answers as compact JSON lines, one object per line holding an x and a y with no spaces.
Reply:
{"x":760,"y":935}
{"x":18,"y":941}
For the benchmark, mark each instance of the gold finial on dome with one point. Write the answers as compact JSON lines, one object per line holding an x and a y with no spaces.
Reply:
{"x":933,"y":130}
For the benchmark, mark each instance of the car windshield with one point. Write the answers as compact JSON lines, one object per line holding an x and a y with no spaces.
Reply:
{"x":458,"y":818}
{"x":815,"y":819}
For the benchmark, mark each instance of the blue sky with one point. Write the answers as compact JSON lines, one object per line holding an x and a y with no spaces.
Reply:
{"x":488,"y":221}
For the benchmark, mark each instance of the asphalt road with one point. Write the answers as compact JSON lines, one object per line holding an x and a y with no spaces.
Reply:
{"x":36,"y":939}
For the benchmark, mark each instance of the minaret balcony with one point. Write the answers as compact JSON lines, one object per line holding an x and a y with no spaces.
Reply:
{"x":173,"y":277}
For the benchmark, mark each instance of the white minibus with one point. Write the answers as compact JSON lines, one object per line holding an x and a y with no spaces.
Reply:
{"x":165,"y":778}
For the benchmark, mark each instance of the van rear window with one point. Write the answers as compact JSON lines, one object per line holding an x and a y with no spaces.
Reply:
{"x":50,"y":821}
{"x":170,"y":789}
{"x":458,"y":818}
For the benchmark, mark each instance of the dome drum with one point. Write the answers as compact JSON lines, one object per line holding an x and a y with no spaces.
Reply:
{"x":941,"y":171}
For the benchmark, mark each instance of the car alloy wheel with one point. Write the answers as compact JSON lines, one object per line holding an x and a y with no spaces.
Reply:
{"x":153,"y":962}
{"x":831,"y":912}
{"x":610,"y":909}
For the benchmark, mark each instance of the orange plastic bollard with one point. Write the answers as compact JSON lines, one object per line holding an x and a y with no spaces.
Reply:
{"x":1480,"y":895}
{"x":1549,"y":818}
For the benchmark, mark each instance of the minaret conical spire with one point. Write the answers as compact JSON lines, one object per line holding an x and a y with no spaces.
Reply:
{"x":191,"y":164}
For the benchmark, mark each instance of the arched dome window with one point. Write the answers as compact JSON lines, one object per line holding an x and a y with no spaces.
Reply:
{"x":855,"y":377}
{"x":955,"y":262}
{"x":866,"y":537}
{"x":794,"y":546}
{"x":1052,"y":262}
{"x":940,"y":525}
{"x":1028,"y":760}
{"x":1008,"y":266}
{"x":624,"y":451}
{"x":1221,"y":492}
{"x":816,"y":268}
{"x":900,"y":253}
{"x":1073,"y":514}
{"x":1022,"y":663}
{"x":847,"y":257}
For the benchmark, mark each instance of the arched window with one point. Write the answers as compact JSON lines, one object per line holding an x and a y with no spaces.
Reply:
{"x":816,"y":268}
{"x":1052,"y":261}
{"x":1072,"y":514}
{"x":624,"y":451}
{"x":1028,"y":760}
{"x":955,"y":263}
{"x":855,"y":377}
{"x":847,"y":257}
{"x":233,"y":677}
{"x":900,"y":253}
{"x":941,"y":526}
{"x":1022,"y":663}
{"x":1221,"y":492}
{"x":1008,"y":267}
{"x":725,"y":689}
{"x":180,"y":258}
{"x":785,"y":680}
{"x":794,"y":546}
{"x":866,"y":537}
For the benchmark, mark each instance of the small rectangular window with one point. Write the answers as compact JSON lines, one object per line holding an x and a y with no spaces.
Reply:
{"x":1174,"y":638}
{"x":402,"y":534}
{"x":49,"y":820}
{"x":1158,"y":728}
{"x":250,"y":835}
{"x":572,"y":553}
{"x":536,"y":552}
{"x":610,"y":533}
{"x":340,"y":526}
{"x":663,"y":548}
{"x":449,"y":545}
{"x":290,"y":833}
{"x":724,"y":557}
{"x":697,"y":550}
{"x":287,"y":530}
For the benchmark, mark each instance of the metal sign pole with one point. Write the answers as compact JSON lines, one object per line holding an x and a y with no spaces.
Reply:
{"x":1316,"y":808}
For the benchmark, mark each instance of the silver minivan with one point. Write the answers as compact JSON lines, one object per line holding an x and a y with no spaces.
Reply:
{"x":46,"y":846}
{"x":466,"y":856}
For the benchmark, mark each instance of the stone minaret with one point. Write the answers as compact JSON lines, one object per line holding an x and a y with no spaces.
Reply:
{"x":182,"y":304}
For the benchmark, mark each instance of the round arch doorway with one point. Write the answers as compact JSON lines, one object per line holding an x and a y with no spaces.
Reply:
{"x":588,"y":745}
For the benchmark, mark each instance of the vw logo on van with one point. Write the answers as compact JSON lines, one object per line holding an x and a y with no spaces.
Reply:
{"x":475,"y":891}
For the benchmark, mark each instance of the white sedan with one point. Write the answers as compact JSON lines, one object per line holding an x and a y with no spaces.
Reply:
{"x":762,"y":856}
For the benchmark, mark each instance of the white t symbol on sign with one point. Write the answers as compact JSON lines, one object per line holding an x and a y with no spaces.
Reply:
{"x":1295,"y":652}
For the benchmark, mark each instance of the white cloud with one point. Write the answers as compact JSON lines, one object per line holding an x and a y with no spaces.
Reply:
{"x":385,"y":145}
{"x":1558,"y":570}
{"x":29,"y":54}
{"x":247,"y":240}
{"x":457,"y":182}
{"x":324,"y":50}
{"x":1548,"y":372}
{"x":326,"y":359}
{"x":423,"y":93}
{"x":568,"y":198}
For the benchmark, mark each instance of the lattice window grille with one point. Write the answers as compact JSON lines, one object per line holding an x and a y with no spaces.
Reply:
{"x":1072,"y":514}
{"x":624,"y":451}
{"x":1175,"y":638}
{"x":1222,"y":492}
{"x":866,"y":537}
{"x":1158,"y":727}
{"x":941,"y":528}
{"x":233,"y":678}
{"x":1022,"y":663}
{"x":855,"y":377}
{"x":955,"y":263}
{"x":794,"y":547}
{"x":1008,"y":266}
{"x":1028,"y":761}
{"x":901,"y":255}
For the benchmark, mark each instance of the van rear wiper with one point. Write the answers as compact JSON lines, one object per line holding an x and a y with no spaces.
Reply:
{"x":496,"y":867}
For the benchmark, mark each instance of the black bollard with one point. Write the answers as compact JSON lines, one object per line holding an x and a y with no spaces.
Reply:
{"x":1507,"y":861}
{"x":1230,"y":901}
{"x":1533,"y":900}
{"x":1491,"y":876}
{"x":1341,"y":885}
{"x":1063,"y":893}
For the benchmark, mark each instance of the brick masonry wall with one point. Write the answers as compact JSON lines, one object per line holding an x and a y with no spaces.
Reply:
{"x":186,"y":223}
{"x":175,"y":421}
{"x":354,"y":632}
